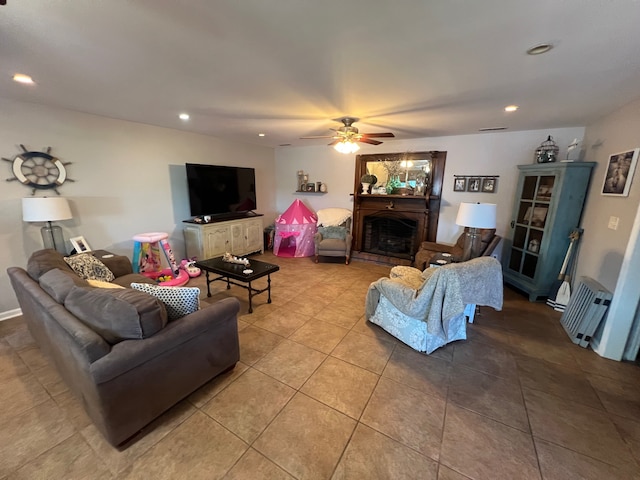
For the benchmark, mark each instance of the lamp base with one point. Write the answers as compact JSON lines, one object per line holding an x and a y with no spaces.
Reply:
{"x":52,"y":238}
{"x":472,"y":243}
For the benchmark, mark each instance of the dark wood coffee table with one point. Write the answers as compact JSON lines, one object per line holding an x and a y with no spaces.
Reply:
{"x":228,"y":271}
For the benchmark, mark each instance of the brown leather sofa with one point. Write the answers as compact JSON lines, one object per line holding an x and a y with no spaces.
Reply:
{"x":125,"y":383}
{"x":488,"y":238}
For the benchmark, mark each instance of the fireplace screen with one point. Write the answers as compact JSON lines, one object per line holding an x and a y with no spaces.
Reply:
{"x":393,"y":237}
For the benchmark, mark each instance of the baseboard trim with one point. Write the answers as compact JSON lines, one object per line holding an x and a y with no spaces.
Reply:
{"x":10,"y":314}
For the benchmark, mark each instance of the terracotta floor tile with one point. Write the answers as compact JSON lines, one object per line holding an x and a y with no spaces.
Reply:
{"x":365,"y":351}
{"x":406,"y":415}
{"x":558,"y":463}
{"x":303,"y":429}
{"x":216,"y":385}
{"x":371,"y":455}
{"x":283,"y":321}
{"x":427,"y":373}
{"x":71,"y":459}
{"x":481,"y":448}
{"x":630,"y":432}
{"x":291,"y":363}
{"x":26,"y":435}
{"x":566,"y":382}
{"x":249,"y":404}
{"x":255,"y":343}
{"x":486,"y":358}
{"x":445,"y":473}
{"x":495,"y":397}
{"x":11,"y":365}
{"x":199,"y":448}
{"x":254,"y":465}
{"x":319,"y":335}
{"x":575,"y":426}
{"x":345,"y":318}
{"x":618,"y":397}
{"x":342,"y":386}
{"x":19,"y":394}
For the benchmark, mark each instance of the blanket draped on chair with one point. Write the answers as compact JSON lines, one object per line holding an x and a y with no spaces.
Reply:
{"x":426,"y":309}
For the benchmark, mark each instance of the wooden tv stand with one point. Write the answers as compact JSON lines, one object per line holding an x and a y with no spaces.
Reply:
{"x":239,"y":236}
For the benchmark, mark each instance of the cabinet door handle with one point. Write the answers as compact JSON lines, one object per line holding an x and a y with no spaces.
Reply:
{"x":513,"y":223}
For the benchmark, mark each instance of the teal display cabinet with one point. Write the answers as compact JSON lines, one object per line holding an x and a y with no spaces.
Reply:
{"x":547,"y":207}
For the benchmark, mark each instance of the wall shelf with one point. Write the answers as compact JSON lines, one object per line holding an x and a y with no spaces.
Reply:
{"x":310,"y":193}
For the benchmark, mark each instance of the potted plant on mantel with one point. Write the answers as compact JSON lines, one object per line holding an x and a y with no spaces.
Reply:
{"x":367,"y":181}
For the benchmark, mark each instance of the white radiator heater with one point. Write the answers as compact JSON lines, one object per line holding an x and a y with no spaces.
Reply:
{"x":585,"y":310}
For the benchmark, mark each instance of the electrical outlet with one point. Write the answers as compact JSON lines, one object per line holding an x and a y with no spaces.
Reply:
{"x":613,"y":222}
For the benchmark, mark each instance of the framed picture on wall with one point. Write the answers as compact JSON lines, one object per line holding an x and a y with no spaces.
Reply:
{"x":459,"y":184}
{"x":473,"y":184}
{"x":489,"y":185}
{"x":619,"y":173}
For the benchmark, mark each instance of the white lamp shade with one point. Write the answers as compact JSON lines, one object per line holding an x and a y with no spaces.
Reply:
{"x":45,"y":209}
{"x":477,"y":215}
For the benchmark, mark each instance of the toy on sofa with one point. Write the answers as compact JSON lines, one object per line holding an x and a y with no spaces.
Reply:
{"x":146,"y":259}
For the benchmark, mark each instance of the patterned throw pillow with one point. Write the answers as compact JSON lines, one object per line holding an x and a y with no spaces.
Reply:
{"x":333,"y":232}
{"x":89,"y":267}
{"x":179,"y":301}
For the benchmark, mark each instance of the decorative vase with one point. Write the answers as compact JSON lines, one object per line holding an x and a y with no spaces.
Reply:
{"x":365,"y":188}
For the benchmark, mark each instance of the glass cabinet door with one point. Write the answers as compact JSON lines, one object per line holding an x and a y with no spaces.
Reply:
{"x":531,"y":216}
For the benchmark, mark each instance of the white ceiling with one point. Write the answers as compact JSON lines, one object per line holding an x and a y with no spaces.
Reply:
{"x":417,"y":68}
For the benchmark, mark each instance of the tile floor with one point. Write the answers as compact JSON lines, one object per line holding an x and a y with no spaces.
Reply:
{"x":319,"y":393}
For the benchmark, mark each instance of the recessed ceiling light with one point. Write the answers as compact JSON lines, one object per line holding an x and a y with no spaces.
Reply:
{"x":539,"y":49}
{"x":184,"y":116}
{"x":22,"y":78}
{"x":511,"y":108}
{"x":261,"y":134}
{"x":492,"y":129}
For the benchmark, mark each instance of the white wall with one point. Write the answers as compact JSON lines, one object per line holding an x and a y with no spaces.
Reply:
{"x":604,"y":251}
{"x":480,"y":154}
{"x":129,"y":178}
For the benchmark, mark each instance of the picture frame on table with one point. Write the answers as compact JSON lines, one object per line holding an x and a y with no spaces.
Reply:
{"x":80,"y":244}
{"x":460,"y":184}
{"x":619,"y":173}
{"x":311,"y":187}
{"x":489,"y":185}
{"x":473,"y":184}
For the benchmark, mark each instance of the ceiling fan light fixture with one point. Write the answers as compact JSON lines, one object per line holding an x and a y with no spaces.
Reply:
{"x":347,"y":146}
{"x":22,"y":78}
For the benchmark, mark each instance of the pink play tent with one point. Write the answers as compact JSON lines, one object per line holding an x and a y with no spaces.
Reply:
{"x":295,"y":229}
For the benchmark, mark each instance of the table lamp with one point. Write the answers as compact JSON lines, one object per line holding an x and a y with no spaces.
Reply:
{"x":475,"y":216}
{"x":48,"y":209}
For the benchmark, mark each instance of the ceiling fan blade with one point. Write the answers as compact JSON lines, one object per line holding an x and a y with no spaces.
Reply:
{"x":334,"y":142}
{"x":370,"y":140}
{"x":379,"y":135}
{"x":317,"y":136}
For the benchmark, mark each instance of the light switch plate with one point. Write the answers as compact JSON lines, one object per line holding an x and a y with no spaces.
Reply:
{"x":613,"y":222}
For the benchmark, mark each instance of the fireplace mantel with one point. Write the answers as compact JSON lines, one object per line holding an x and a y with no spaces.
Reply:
{"x":424,"y":210}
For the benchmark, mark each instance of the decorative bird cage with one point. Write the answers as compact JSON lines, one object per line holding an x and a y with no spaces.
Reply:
{"x":547,"y":152}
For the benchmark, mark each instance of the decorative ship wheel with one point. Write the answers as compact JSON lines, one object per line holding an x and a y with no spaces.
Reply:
{"x":38,"y":170}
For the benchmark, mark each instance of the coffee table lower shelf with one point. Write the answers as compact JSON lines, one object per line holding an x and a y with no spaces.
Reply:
{"x":233,"y":274}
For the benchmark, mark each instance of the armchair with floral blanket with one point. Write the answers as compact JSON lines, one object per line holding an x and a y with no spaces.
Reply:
{"x":426,"y":309}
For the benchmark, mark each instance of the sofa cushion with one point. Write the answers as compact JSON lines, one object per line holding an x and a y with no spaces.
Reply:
{"x":58,"y":283}
{"x":339,"y":233}
{"x":179,"y":301}
{"x":42,"y":261}
{"x":117,"y":314}
{"x":89,"y":267}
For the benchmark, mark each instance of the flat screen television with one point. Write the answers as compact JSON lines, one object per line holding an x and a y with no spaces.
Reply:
{"x":218,"y":190}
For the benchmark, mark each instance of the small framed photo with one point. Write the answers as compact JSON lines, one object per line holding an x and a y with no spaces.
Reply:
{"x":489,"y":185}
{"x":473,"y":184}
{"x":459,"y":184}
{"x":619,"y":173}
{"x":80,"y":244}
{"x":311,"y":187}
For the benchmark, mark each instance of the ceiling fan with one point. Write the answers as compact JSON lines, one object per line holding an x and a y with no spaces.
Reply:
{"x":348,"y":134}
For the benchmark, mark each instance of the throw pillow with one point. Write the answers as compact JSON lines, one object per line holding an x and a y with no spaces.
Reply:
{"x":329,"y":217}
{"x":101,"y":284}
{"x":117,"y":314}
{"x":89,"y":267}
{"x":333,"y":232}
{"x":180,"y":301}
